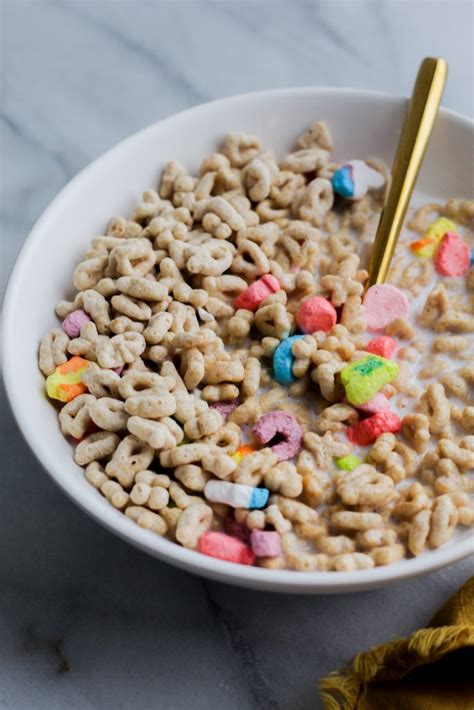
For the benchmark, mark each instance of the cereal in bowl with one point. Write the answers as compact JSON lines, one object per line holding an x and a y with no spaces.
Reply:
{"x":225,"y":381}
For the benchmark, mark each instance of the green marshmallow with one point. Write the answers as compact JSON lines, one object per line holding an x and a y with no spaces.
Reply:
{"x":365,"y":377}
{"x":347,"y":463}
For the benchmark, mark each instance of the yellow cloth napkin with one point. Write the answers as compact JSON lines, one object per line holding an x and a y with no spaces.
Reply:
{"x":431,"y":670}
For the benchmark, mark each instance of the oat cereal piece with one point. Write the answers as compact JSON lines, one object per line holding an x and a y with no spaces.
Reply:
{"x":419,"y":531}
{"x":336,"y":418}
{"x":253,"y":467}
{"x":108,"y":413}
{"x":387,"y":554}
{"x":283,"y":478}
{"x":101,"y":382}
{"x":350,"y":520}
{"x":220,"y":464}
{"x":216,"y":393}
{"x":436,"y":406}
{"x":155,"y":434}
{"x":298,"y":558}
{"x":294,"y":510}
{"x":95,"y":447}
{"x":241,"y":148}
{"x":378,"y":537}
{"x":120,"y":349}
{"x":94,"y":474}
{"x":351,"y":561}
{"x":364,"y":486}
{"x":462,"y":457}
{"x":115,"y":494}
{"x":443,"y":521}
{"x":146,"y":519}
{"x":273,"y":320}
{"x":74,"y":417}
{"x":131,"y":455}
{"x":194,"y":522}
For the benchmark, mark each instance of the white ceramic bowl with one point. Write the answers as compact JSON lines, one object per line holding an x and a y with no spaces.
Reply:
{"x":362,"y":123}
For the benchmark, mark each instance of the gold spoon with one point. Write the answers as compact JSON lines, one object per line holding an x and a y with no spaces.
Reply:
{"x":416,"y":132}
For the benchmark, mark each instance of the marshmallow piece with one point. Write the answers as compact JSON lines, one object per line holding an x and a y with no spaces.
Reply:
{"x":316,"y":313}
{"x":265,"y":543}
{"x":439,"y":227}
{"x":453,"y":257}
{"x":236,"y":495}
{"x":283,"y":359}
{"x":242,"y":451}
{"x":368,"y":430}
{"x":382,"y":304}
{"x":66,"y":381}
{"x":378,"y":403}
{"x":73,"y":323}
{"x":225,"y":407}
{"x":225,"y":547}
{"x":235,"y":529}
{"x":252,"y":297}
{"x":355,"y":178}
{"x":363,"y":378}
{"x":424,"y":248}
{"x":286,"y":425}
{"x":382,"y":345}
{"x":348,"y":463}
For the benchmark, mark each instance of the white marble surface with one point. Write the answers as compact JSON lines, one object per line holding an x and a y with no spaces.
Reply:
{"x":87,"y":622}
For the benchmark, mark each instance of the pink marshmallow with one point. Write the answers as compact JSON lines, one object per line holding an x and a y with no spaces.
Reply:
{"x":265,"y":543}
{"x":368,"y":430}
{"x":225,"y":547}
{"x":73,"y":323}
{"x":119,"y":369}
{"x":382,"y":304}
{"x":378,"y":403}
{"x":382,"y":345}
{"x":252,"y":297}
{"x":316,"y":313}
{"x":453,"y":257}
{"x":284,"y":424}
{"x":225,"y":407}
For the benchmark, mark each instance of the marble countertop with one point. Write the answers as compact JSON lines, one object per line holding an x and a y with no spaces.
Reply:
{"x":86,"y":621}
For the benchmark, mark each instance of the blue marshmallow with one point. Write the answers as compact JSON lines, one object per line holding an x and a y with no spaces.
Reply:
{"x":342,"y":182}
{"x":283,"y":360}
{"x":259,"y":498}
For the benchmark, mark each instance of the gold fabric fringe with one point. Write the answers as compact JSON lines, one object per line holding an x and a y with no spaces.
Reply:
{"x":342,"y":690}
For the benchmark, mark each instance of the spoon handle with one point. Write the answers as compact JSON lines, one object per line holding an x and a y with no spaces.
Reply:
{"x":416,"y":132}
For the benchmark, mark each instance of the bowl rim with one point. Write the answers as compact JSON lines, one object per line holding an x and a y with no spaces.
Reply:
{"x":115,"y":521}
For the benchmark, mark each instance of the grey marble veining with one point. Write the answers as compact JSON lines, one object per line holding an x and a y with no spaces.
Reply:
{"x":87,"y":622}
